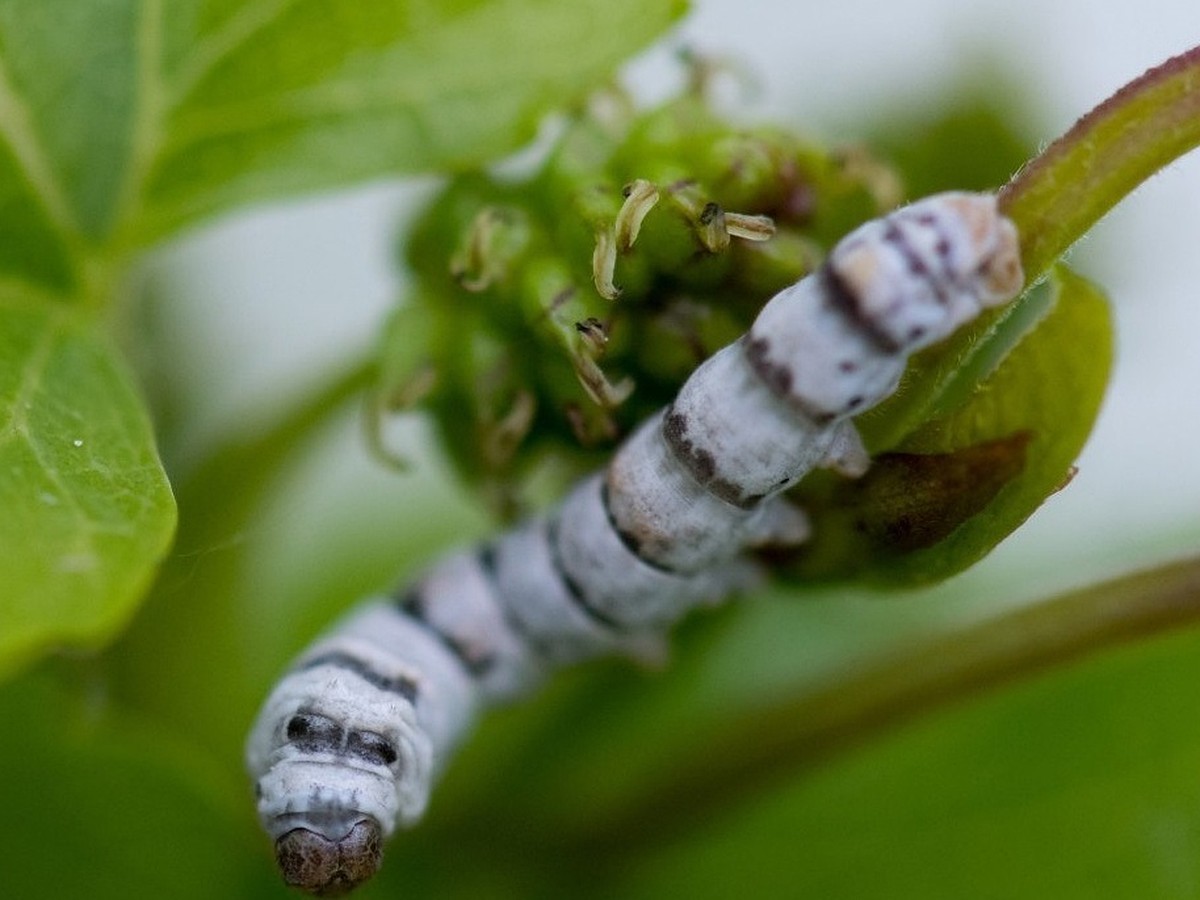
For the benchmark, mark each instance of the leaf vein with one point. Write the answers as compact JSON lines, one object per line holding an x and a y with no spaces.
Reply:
{"x":18,"y":131}
{"x":35,"y":365}
{"x":31,"y":378}
{"x":209,"y":53}
{"x":146,"y":137}
{"x":328,"y":101}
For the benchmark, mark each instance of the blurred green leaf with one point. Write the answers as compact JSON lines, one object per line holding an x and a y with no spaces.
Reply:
{"x":267,"y":99}
{"x":108,"y":808}
{"x":971,"y":137}
{"x":72,"y":95}
{"x":87,"y":509}
{"x":122,"y":120}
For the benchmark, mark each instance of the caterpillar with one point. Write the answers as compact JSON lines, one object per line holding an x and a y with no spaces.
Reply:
{"x":350,"y":741}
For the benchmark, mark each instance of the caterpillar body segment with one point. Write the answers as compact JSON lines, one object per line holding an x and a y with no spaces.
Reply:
{"x":349,"y":743}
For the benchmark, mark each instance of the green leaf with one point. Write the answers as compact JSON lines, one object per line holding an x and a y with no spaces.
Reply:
{"x":121,"y":120}
{"x":87,"y":508}
{"x":70,"y":71}
{"x":1005,"y":412}
{"x":282,"y":96}
{"x":63,"y":111}
{"x":109,"y":808}
{"x":1050,"y":387}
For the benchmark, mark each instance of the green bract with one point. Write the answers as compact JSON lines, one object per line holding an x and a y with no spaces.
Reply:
{"x":554,"y":313}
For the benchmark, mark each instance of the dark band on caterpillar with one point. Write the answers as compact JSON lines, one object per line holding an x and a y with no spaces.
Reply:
{"x":399,"y":684}
{"x":370,"y":747}
{"x":700,"y":463}
{"x":778,"y":378}
{"x":314,"y":733}
{"x":573,"y":589}
{"x":893,"y":235}
{"x":630,"y":540}
{"x":476,"y":661}
{"x":485,"y":555}
{"x":847,"y":301}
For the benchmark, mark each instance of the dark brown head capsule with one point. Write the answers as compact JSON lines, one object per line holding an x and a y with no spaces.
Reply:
{"x":313,"y":863}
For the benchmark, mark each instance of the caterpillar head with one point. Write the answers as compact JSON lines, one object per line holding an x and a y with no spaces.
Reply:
{"x":337,"y":761}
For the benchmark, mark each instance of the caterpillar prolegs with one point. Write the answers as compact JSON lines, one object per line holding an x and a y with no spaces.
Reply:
{"x":349,"y":743}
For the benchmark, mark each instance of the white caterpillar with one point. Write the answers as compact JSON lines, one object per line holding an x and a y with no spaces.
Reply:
{"x":349,"y":743}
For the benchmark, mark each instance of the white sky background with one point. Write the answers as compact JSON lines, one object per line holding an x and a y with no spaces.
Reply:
{"x":285,"y":292}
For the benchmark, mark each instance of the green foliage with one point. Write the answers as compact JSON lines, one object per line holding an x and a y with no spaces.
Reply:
{"x":87,"y":508}
{"x":265,"y":99}
{"x":110,"y":808}
{"x":122,"y":123}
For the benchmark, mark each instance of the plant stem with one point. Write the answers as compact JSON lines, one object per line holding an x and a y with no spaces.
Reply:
{"x":1065,"y":190}
{"x":746,"y":754}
